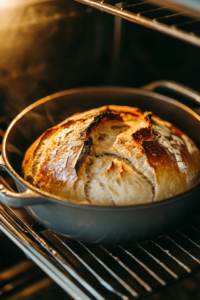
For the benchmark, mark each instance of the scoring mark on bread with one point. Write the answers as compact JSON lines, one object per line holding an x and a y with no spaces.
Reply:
{"x":88,"y":181}
{"x":110,"y":194}
{"x":84,"y":151}
{"x":104,"y":116}
{"x":88,"y":178}
{"x":132,"y":166}
{"x":111,"y":168}
{"x":157,"y":140}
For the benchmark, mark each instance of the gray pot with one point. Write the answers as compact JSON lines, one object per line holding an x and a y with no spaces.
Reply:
{"x":95,"y":224}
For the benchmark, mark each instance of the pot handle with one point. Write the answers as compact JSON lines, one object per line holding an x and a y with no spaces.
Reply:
{"x":175,"y":87}
{"x":13,"y":199}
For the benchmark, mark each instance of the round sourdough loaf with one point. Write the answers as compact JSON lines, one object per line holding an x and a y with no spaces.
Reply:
{"x":114,"y":155}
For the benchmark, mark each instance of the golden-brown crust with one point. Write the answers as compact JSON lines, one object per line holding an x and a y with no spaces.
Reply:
{"x":80,"y":158}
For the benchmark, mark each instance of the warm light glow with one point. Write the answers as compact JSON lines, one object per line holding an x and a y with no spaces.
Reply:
{"x":7,"y":3}
{"x":13,"y":3}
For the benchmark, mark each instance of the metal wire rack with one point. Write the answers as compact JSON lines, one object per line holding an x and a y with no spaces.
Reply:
{"x":90,"y":271}
{"x":161,"y":18}
{"x":87,"y":271}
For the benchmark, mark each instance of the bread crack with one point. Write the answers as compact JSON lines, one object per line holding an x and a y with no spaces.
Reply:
{"x":86,"y":190}
{"x":127,"y":162}
{"x":130,"y":164}
{"x":88,"y":180}
{"x":111,"y":198}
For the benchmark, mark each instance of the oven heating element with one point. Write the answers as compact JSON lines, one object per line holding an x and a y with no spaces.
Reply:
{"x":88,"y":271}
{"x":161,"y":18}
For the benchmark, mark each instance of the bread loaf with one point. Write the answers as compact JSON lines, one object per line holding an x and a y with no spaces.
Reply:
{"x":114,"y":155}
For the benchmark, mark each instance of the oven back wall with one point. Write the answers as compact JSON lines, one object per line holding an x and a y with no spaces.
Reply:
{"x":50,"y":46}
{"x":147,"y":55}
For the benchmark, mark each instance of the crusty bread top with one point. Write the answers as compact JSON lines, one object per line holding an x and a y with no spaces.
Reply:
{"x":114,"y":155}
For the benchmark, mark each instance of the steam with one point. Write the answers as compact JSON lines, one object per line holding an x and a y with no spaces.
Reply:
{"x":33,"y":39}
{"x":37,"y":38}
{"x":15,"y":3}
{"x":13,"y":149}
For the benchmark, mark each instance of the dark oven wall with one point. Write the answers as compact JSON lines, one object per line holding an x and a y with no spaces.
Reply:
{"x":50,"y":46}
{"x":147,"y":55}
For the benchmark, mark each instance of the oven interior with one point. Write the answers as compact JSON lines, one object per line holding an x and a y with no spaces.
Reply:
{"x":49,"y":46}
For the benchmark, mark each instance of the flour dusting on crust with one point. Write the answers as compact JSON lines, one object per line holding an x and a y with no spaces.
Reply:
{"x":173,"y":145}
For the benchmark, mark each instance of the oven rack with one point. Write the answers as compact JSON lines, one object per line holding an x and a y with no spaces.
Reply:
{"x":161,"y":18}
{"x":21,"y":278}
{"x":88,"y":271}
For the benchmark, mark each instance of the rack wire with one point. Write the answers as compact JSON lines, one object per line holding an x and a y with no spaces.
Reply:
{"x":88,"y":271}
{"x":161,"y":18}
